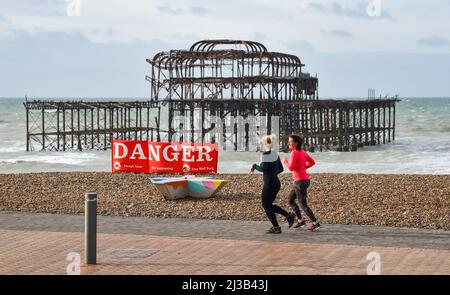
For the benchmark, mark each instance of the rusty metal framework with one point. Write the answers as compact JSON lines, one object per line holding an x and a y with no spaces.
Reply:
{"x":80,"y":125}
{"x":235,"y":78}
{"x":246,"y":71}
{"x":236,"y":85}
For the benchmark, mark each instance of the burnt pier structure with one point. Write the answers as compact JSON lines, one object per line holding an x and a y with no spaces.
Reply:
{"x":226,"y":91}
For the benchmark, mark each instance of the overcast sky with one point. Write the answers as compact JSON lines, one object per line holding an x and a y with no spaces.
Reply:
{"x":401,"y":48}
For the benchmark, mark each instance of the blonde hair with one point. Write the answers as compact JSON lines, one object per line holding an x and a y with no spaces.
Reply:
{"x":268,"y":141}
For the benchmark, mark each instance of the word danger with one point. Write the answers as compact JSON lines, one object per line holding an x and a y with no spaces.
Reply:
{"x":164,"y":157}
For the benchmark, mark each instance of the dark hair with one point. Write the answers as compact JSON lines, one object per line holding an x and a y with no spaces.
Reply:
{"x":297,"y":139}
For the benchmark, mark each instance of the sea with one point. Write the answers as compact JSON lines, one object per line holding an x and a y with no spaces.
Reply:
{"x":421,"y":146}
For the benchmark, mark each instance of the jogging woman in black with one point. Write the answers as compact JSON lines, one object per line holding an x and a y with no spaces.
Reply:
{"x":270,"y":167}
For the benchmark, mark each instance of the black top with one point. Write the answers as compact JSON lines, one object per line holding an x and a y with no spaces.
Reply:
{"x":271,"y":165}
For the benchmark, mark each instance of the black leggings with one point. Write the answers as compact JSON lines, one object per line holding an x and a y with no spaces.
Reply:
{"x":270,"y":190}
{"x":300,"y":191}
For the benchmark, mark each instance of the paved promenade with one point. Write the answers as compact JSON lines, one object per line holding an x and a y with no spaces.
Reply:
{"x":32,"y":243}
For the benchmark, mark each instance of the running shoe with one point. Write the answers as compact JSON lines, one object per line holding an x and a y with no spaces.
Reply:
{"x":300,"y":224}
{"x":274,"y":230}
{"x":290,"y":218}
{"x":315,"y":226}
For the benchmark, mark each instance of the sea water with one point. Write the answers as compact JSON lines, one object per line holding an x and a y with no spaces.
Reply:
{"x":421,"y":146}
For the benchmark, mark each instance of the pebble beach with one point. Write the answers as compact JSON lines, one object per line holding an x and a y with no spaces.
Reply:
{"x":417,"y":201}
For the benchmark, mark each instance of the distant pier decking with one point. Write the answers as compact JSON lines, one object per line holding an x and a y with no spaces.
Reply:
{"x":214,"y":93}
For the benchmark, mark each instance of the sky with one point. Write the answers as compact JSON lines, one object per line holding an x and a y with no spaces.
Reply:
{"x":97,"y":48}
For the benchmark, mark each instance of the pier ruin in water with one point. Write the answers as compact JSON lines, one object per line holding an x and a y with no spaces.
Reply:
{"x":226,"y":91}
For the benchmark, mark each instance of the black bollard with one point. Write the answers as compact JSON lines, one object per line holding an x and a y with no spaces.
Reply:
{"x":90,"y":228}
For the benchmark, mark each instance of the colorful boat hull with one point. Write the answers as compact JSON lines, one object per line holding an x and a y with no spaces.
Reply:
{"x":173,"y":188}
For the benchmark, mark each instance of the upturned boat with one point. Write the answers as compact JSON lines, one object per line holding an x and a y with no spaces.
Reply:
{"x":173,"y":188}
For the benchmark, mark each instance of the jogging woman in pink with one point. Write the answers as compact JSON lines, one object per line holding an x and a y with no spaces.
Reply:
{"x":298,"y":163}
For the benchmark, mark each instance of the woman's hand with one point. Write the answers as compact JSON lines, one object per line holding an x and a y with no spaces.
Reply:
{"x":252,"y":170}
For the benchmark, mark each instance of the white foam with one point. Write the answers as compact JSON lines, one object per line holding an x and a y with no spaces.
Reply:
{"x":12,"y":147}
{"x":65,"y":159}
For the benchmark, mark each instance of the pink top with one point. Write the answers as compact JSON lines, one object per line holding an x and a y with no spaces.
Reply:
{"x":300,"y":161}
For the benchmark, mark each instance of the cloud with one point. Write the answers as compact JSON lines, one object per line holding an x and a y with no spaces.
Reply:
{"x":36,"y":7}
{"x":433,"y":41}
{"x":170,"y":10}
{"x":360,"y":11}
{"x":317,"y":7}
{"x":68,"y":64}
{"x":198,"y":10}
{"x":103,"y":52}
{"x":338,"y":33}
{"x":300,"y":45}
{"x":46,"y":41}
{"x":102,"y":35}
{"x":340,"y":10}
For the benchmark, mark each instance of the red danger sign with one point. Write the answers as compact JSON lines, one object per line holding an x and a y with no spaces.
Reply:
{"x":163,"y":157}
